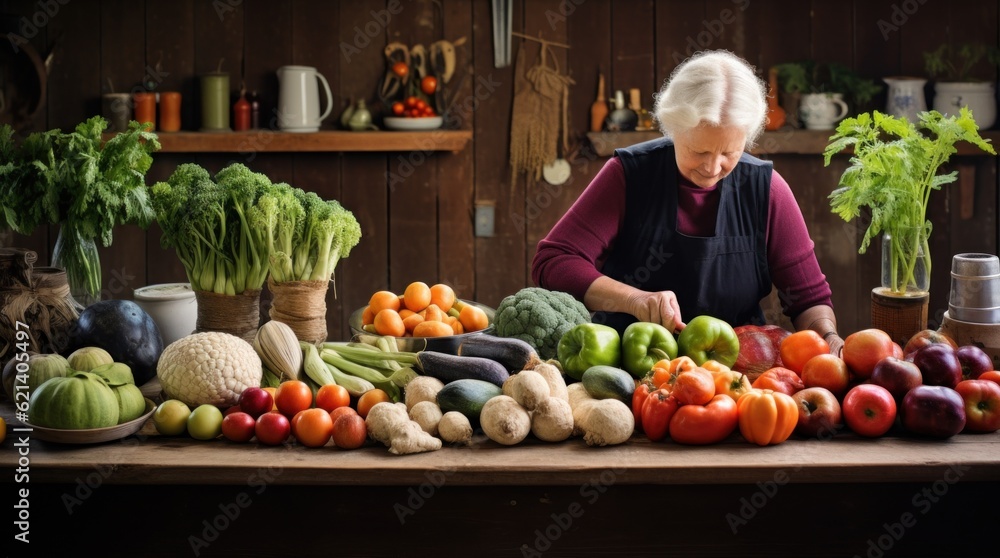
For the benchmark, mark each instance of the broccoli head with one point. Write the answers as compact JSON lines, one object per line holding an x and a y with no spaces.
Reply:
{"x":539,"y":317}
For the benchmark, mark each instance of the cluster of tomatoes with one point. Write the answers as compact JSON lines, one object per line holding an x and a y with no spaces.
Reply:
{"x":930,"y":387}
{"x":413,"y":107}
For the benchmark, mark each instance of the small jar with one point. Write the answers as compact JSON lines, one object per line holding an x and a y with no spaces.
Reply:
{"x":172,"y":306}
{"x":241,"y":114}
{"x":145,"y":108}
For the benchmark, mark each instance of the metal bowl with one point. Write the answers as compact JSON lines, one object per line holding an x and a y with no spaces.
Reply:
{"x":447,"y":344}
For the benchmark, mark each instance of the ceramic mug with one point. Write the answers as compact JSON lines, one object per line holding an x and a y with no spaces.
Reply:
{"x":821,"y":111}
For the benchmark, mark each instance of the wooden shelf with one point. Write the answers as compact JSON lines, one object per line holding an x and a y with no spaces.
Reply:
{"x":322,"y":141}
{"x":781,"y":142}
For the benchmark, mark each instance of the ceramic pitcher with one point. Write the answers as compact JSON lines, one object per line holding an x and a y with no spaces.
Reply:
{"x":821,"y":111}
{"x":298,"y":99}
{"x":905,"y":97}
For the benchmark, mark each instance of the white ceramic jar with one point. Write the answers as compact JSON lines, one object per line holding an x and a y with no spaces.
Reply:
{"x":172,"y":306}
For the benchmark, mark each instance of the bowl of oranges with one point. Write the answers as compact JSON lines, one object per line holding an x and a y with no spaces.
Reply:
{"x":423,"y":317}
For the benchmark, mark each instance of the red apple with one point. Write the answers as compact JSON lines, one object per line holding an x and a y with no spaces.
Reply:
{"x":982,"y":405}
{"x":272,"y":428}
{"x":926,"y":337}
{"x":939,"y":365}
{"x":974,"y":361}
{"x":256,"y":401}
{"x":240,"y":427}
{"x":936,"y":411}
{"x":869,"y":410}
{"x":896,"y":375}
{"x":863,"y":349}
{"x":897,"y":351}
{"x":819,"y":412}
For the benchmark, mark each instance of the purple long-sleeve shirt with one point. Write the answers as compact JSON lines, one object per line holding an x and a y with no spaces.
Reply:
{"x":570,"y":257}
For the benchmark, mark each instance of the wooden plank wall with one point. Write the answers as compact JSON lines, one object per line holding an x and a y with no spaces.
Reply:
{"x":416,"y":208}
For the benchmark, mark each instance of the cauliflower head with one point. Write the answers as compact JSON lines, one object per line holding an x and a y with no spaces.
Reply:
{"x":539,"y":317}
{"x":208,"y":368}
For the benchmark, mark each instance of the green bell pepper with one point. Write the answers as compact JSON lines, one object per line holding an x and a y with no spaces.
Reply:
{"x":708,"y":338}
{"x":645,"y":343}
{"x":586,"y":345}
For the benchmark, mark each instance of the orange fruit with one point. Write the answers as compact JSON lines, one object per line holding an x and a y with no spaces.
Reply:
{"x":417,"y":296}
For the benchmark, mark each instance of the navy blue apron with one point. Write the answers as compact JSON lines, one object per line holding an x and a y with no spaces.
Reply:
{"x":726,"y":275}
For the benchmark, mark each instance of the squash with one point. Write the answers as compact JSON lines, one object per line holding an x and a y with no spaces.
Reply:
{"x":467,"y":396}
{"x":80,"y":400}
{"x":608,"y":382}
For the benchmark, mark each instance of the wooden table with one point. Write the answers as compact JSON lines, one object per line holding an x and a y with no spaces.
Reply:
{"x":834,"y":497}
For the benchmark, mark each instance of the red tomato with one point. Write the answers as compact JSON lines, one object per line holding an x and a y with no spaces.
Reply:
{"x":429,"y":111}
{"x":400,"y":69}
{"x":398,"y":108}
{"x":429,"y":85}
{"x":657,"y":412}
{"x":705,"y":424}
{"x":292,"y":396}
{"x":410,"y":102}
{"x":420,"y":105}
{"x":331,"y":396}
{"x":982,"y":405}
{"x":694,"y":387}
{"x":369,"y":399}
{"x":638,"y":400}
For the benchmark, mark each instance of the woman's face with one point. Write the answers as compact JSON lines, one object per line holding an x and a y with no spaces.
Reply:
{"x":706,"y":154}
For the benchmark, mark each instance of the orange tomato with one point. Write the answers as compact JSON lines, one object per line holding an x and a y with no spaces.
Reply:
{"x":433,"y":313}
{"x":367,"y":316}
{"x":417,"y":296}
{"x":382,"y":300}
{"x":456,"y":325}
{"x":429,"y":85}
{"x":694,"y":387}
{"x":473,"y":318}
{"x":779,"y":379}
{"x":443,"y":296}
{"x":388,"y":322}
{"x":271,"y":390}
{"x":368,"y":400}
{"x":292,"y":396}
{"x":827,"y":371}
{"x":661,"y":376}
{"x":332,"y":396}
{"x":349,"y":431}
{"x":799,"y":347}
{"x":398,"y":108}
{"x":412,"y":321}
{"x":431,"y":328}
{"x":312,"y":427}
{"x":991,"y":375}
{"x":681,"y":364}
{"x":731,"y":383}
{"x":400,"y":69}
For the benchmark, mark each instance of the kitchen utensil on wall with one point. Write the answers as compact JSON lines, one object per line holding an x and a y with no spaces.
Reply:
{"x":503,"y":23}
{"x":298,"y":99}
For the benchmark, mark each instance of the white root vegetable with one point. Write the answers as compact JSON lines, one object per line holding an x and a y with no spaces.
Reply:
{"x":422,"y":388}
{"x":528,"y":388}
{"x":505,"y":421}
{"x":552,"y":420}
{"x":427,"y":414}
{"x":607,"y":422}
{"x":552,"y":375}
{"x":408,"y":437}
{"x":381,"y":418}
{"x":455,"y":428}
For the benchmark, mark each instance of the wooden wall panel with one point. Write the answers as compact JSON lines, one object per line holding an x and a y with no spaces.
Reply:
{"x":422,"y":227}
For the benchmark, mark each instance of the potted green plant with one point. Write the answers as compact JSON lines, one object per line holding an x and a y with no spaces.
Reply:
{"x":894,"y":168}
{"x":808,"y":86}
{"x":961,"y":79}
{"x":83,"y":184}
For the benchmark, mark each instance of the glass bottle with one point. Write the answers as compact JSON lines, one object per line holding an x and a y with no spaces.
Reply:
{"x":621,"y":119}
{"x":644,"y":119}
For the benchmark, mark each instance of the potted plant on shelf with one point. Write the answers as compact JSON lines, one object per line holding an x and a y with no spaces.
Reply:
{"x":894,"y":168}
{"x":820,"y":94}
{"x":960,"y":80}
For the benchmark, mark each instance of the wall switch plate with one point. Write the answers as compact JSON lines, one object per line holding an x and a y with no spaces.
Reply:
{"x":484,"y":218}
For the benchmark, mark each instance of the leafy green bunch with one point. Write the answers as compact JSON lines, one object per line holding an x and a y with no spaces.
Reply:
{"x":74,"y":180}
{"x":231,"y":230}
{"x":893,"y":171}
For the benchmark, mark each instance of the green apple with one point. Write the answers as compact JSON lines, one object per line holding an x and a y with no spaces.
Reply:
{"x":205,"y":422}
{"x":171,"y":416}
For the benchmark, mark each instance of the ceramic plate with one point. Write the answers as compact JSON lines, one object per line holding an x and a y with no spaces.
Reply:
{"x":93,"y":435}
{"x":421,"y":123}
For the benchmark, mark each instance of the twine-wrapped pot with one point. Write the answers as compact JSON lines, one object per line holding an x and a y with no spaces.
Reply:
{"x":237,"y":314}
{"x":37,"y":297}
{"x":302,"y":306}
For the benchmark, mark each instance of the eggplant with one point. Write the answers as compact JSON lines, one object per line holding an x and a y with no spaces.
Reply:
{"x":514,"y":354}
{"x":124,"y":330}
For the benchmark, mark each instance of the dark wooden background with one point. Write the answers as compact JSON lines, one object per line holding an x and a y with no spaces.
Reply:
{"x":422,"y":228}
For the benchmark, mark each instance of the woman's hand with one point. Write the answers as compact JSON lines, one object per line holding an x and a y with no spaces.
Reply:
{"x":836,"y":344}
{"x":659,"y":307}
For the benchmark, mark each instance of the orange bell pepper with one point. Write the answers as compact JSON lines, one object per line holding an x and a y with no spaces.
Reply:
{"x":767,"y":417}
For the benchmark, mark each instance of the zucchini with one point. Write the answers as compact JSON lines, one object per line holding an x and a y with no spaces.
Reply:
{"x":515,"y":355}
{"x":448,"y":368}
{"x":467,"y":397}
{"x":609,"y":382}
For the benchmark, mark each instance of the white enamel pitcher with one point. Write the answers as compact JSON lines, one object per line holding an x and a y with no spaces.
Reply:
{"x":298,"y":99}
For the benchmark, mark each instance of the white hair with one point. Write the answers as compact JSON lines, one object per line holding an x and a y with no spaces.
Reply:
{"x":716,"y":87}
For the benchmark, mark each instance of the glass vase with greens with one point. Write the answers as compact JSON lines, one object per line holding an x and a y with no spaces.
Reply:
{"x":894,"y":168}
{"x":81,"y":183}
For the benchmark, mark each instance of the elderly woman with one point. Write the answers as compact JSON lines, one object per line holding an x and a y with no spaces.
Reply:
{"x":690,"y":224}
